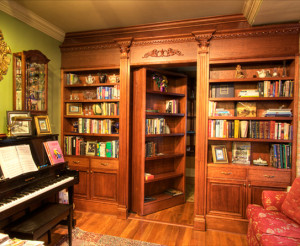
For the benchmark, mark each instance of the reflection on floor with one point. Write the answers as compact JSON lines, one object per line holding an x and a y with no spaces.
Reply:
{"x":179,"y":215}
{"x":190,"y":190}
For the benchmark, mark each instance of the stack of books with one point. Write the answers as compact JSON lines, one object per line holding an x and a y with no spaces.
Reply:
{"x":279,"y":113}
{"x":249,"y":93}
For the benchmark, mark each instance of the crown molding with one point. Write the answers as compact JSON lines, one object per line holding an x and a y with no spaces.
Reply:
{"x":250,"y":10}
{"x":25,"y":15}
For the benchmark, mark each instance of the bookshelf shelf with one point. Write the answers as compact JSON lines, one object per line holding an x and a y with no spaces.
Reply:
{"x":168,"y":169}
{"x":159,"y":177}
{"x":255,"y":80}
{"x":249,"y":118}
{"x":164,"y":156}
{"x":251,"y":140}
{"x":252,"y":99}
{"x":92,"y":85}
{"x":92,"y":116}
{"x":90,"y":134}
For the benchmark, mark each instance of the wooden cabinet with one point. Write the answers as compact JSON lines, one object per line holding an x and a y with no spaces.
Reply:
{"x":90,"y":132}
{"x":30,"y":82}
{"x":159,"y":140}
{"x":272,"y":138}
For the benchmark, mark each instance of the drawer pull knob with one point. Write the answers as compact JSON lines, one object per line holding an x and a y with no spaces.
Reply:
{"x":226,"y":173}
{"x":76,"y":162}
{"x":104,"y":164}
{"x":269,"y":176}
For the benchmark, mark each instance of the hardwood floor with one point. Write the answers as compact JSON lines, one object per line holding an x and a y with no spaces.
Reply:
{"x":150,"y":231}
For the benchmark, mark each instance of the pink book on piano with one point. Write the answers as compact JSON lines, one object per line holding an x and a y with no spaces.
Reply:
{"x":54,"y":152}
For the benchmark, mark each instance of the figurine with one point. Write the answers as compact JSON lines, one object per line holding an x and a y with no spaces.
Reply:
{"x":239,"y":74}
{"x":275,"y":73}
{"x":260,"y":162}
{"x":90,"y":79}
{"x":263,"y":73}
{"x":161,"y":81}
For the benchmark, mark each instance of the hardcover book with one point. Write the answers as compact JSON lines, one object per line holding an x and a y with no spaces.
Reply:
{"x":54,"y":152}
{"x":224,"y":90}
{"x":246,"y":109}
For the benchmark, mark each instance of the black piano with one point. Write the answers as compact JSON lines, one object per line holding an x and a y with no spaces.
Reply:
{"x":20,"y":195}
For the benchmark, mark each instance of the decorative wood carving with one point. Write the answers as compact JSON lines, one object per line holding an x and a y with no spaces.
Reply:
{"x":162,"y":53}
{"x":203,"y":38}
{"x":4,"y":58}
{"x":124,"y":45}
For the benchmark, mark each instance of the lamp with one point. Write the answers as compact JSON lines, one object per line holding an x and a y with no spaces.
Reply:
{"x":14,"y":120}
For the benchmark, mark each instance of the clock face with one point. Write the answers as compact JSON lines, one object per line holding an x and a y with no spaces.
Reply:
{"x":4,"y":58}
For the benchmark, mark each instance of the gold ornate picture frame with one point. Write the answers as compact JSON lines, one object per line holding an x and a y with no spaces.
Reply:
{"x":42,"y":124}
{"x":4,"y":58}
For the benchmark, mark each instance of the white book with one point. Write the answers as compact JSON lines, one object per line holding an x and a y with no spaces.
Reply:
{"x":16,"y":160}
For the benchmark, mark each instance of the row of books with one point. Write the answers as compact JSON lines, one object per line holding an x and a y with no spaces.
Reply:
{"x":157,"y":126}
{"x":250,"y":129}
{"x":106,"y":92}
{"x":105,"y":126}
{"x":172,"y":106}
{"x":150,"y":149}
{"x":281,"y":155}
{"x":276,"y":88}
{"x":109,"y":109}
{"x":75,"y":145}
{"x":72,"y":79}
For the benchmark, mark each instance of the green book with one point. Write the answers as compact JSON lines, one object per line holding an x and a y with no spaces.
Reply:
{"x":108,"y":149}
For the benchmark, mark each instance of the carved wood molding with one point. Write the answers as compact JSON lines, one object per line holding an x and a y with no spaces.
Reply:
{"x":90,"y":46}
{"x":258,"y":31}
{"x":163,"y":40}
{"x":124,"y":45}
{"x":162,"y":53}
{"x":203,"y":38}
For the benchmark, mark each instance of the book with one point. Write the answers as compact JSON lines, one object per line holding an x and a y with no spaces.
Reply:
{"x":149,"y":176}
{"x":173,"y":192}
{"x":54,"y":152}
{"x":244,"y":128}
{"x":16,"y":160}
{"x":224,"y":90}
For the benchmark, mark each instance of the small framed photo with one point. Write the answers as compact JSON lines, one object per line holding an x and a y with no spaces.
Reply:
{"x":19,"y":123}
{"x":91,"y":148}
{"x":219,"y":154}
{"x":42,"y":124}
{"x":74,"y":108}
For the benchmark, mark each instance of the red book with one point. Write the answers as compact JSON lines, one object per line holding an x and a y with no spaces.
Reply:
{"x":54,"y":152}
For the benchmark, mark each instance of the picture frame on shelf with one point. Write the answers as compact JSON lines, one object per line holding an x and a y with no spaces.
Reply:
{"x":91,"y":148}
{"x":246,"y":109}
{"x":19,"y":123}
{"x":219,"y":154}
{"x":74,"y":108}
{"x":241,"y":153}
{"x":42,"y":124}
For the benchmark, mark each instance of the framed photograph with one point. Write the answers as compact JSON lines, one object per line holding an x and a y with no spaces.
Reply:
{"x":19,"y":123}
{"x":42,"y":124}
{"x":241,"y":153}
{"x":91,"y":148}
{"x":219,"y":154}
{"x":74,"y":108}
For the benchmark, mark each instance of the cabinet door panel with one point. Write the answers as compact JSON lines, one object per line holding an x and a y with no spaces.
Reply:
{"x":104,"y":186}
{"x":226,"y":197}
{"x":81,"y":190}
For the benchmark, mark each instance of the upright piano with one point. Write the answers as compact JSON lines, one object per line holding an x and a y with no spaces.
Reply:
{"x":19,"y":194}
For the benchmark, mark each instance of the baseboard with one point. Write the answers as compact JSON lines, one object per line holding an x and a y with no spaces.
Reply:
{"x":226,"y":224}
{"x":96,"y":206}
{"x":199,"y":223}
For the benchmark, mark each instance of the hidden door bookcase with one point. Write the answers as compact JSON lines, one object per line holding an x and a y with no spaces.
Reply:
{"x":158,"y":141}
{"x":271,"y":136}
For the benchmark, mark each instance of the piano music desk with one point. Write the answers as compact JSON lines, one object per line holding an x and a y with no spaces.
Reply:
{"x":41,"y":221}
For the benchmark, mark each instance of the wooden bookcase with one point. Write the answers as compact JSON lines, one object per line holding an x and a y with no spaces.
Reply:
{"x":82,"y":90}
{"x":231,"y":187}
{"x":168,"y":164}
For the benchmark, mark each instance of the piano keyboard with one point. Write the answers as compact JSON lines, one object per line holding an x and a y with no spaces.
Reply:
{"x":30,"y":193}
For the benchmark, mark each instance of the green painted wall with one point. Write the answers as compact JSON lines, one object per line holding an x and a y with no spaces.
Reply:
{"x":19,"y":36}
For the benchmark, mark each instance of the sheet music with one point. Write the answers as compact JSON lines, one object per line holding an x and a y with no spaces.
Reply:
{"x":25,"y":157}
{"x":16,"y":160}
{"x":9,"y":161}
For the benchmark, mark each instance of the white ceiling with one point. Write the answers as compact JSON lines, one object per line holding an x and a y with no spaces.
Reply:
{"x":61,"y":16}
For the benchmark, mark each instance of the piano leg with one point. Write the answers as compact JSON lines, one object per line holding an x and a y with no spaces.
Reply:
{"x":49,"y":236}
{"x":70,"y":225}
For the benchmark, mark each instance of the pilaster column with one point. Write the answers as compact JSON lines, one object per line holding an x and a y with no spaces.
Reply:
{"x":203,"y":39}
{"x":124,"y":108}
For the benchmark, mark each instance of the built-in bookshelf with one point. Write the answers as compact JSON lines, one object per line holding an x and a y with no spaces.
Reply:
{"x":254,"y":107}
{"x":159,"y":140}
{"x":90,"y":134}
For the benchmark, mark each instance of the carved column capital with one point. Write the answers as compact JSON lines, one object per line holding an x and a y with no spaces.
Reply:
{"x":203,"y":38}
{"x":124,"y":45}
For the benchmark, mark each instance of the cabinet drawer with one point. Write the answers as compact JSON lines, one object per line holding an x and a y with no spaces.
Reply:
{"x":78,"y":161}
{"x":104,"y":164}
{"x":270,"y":176}
{"x":224,"y":172}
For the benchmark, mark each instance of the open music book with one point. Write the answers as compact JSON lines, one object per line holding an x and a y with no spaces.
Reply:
{"x":16,"y":160}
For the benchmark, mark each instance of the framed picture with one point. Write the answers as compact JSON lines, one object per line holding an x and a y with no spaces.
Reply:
{"x":42,"y":124}
{"x":74,"y":108}
{"x":19,"y":123}
{"x":219,"y":154}
{"x":241,"y":153}
{"x":91,"y":148}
